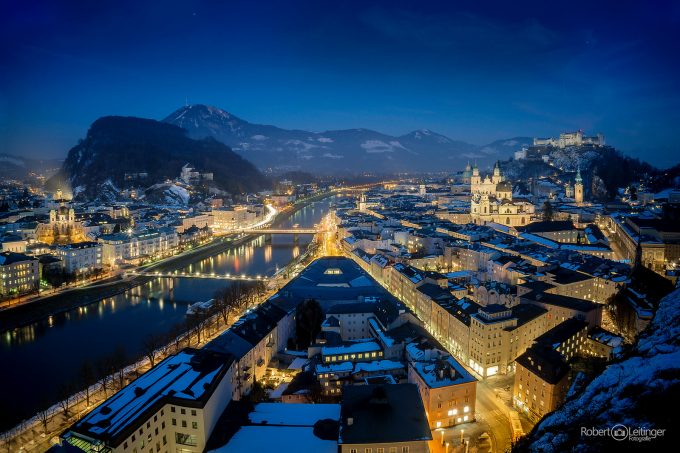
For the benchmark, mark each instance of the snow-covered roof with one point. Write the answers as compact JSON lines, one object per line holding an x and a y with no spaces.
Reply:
{"x":189,"y":376}
{"x":293,"y":414}
{"x":442,"y":373}
{"x":282,"y":439}
{"x":351,"y":348}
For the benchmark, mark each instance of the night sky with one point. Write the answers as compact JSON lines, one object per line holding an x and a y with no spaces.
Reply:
{"x":472,"y":70}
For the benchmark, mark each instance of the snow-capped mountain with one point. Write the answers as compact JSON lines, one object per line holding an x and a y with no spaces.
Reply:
{"x":349,"y":150}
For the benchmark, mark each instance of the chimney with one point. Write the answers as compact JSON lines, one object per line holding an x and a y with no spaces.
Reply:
{"x":350,"y":421}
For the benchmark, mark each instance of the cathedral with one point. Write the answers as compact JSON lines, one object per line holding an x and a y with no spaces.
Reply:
{"x":491,"y":200}
{"x":63,"y":228}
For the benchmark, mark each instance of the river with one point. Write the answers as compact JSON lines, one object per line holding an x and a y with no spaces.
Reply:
{"x":41,"y":359}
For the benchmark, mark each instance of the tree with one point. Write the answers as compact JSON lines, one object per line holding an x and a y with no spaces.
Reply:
{"x":103,"y":368}
{"x":547,"y":211}
{"x":88,"y":377}
{"x":308,"y":319}
{"x":175,"y":336}
{"x":152,"y":344}
{"x":119,"y":361}
{"x":66,"y":399}
{"x":44,"y":417}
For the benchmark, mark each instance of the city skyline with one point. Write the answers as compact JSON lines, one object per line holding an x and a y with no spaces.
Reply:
{"x":471,"y":73}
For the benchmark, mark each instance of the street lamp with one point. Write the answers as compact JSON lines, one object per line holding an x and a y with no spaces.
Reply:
{"x":461,"y":436}
{"x":447,"y":447}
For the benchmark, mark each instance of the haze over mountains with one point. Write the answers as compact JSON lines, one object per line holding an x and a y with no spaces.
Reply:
{"x":340,"y":151}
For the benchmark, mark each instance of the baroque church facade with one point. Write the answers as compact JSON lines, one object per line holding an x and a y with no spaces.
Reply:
{"x":491,"y":200}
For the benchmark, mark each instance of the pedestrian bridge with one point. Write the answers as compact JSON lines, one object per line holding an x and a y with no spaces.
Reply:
{"x":211,"y":275}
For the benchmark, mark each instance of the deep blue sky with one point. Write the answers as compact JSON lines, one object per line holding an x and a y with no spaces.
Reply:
{"x":472,"y":70}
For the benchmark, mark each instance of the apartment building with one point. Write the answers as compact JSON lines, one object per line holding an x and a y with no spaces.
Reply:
{"x":130,"y":247}
{"x":19,"y":273}
{"x":172,"y":408}
{"x":541,"y":381}
{"x":499,"y":334}
{"x":569,"y":338}
{"x":383,"y":418}
{"x":81,"y":257}
{"x":448,"y":391}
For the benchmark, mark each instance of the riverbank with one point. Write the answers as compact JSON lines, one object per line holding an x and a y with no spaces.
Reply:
{"x":78,"y":297}
{"x":36,"y":432}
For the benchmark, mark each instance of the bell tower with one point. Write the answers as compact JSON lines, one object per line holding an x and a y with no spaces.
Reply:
{"x":578,"y":187}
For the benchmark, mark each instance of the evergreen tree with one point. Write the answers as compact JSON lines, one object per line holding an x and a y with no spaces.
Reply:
{"x":547,"y":211}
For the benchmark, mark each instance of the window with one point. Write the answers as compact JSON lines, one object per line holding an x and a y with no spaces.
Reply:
{"x":174,"y":422}
{"x":193,"y":412}
{"x":172,"y":408}
{"x":185,"y":439}
{"x":352,"y":450}
{"x":125,"y":446}
{"x":380,"y":450}
{"x":194,"y":425}
{"x":184,"y":423}
{"x":404,"y":449}
{"x":165,"y":440}
{"x":368,"y":450}
{"x":182,"y":411}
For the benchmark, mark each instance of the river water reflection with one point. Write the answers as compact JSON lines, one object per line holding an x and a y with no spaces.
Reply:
{"x":39,"y":360}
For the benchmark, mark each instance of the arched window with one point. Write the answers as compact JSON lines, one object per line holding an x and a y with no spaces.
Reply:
{"x":507,"y":220}
{"x":522,"y":220}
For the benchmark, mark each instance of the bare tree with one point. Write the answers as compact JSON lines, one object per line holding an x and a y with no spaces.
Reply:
{"x":119,"y":361}
{"x":44,"y":417}
{"x":152,"y":344}
{"x":88,"y":377}
{"x":175,"y":336}
{"x":66,"y":399}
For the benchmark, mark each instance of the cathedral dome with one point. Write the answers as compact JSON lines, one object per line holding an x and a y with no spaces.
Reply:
{"x":504,"y":186}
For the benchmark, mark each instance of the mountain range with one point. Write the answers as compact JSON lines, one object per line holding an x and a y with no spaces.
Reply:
{"x":117,"y":146}
{"x":20,"y":168}
{"x":347,"y":151}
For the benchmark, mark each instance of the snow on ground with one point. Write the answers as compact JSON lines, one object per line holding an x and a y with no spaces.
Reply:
{"x":175,"y":193}
{"x":627,"y":392}
{"x":379,"y":146}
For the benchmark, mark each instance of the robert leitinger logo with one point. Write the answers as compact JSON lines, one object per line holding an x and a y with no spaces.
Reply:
{"x":620,"y":432}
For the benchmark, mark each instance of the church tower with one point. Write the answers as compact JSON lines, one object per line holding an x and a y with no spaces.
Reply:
{"x":362,"y":202}
{"x":578,"y":187}
{"x":497,"y":177}
{"x":475,"y":179}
